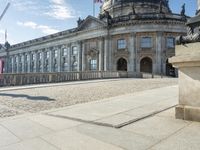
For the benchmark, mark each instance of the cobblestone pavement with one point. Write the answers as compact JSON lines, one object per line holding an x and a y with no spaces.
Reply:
{"x":35,"y":99}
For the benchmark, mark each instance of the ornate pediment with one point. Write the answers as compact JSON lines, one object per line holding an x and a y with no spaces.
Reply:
{"x":92,"y":52}
{"x":91,"y":23}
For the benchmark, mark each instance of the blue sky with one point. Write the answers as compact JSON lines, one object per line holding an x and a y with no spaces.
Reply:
{"x":29,"y":19}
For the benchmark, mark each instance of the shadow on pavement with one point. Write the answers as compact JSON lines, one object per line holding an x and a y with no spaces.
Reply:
{"x":38,"y":98}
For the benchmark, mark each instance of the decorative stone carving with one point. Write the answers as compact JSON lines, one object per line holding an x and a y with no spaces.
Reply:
{"x":193,"y":29}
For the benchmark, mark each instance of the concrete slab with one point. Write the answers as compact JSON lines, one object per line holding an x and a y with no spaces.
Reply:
{"x":6,"y":137}
{"x":72,"y":140}
{"x":156,"y":127}
{"x":33,"y":144}
{"x":153,"y":108}
{"x":186,"y":139}
{"x":115,"y":120}
{"x":25,"y":128}
{"x":120,"y":138}
{"x":53,"y":123}
{"x":116,"y":110}
{"x":168,"y":113}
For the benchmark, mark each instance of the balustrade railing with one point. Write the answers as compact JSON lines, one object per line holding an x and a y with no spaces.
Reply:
{"x":38,"y":78}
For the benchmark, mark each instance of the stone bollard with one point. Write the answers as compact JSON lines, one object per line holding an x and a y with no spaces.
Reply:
{"x":187,"y":60}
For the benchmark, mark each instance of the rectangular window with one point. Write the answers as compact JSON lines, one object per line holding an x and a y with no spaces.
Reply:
{"x":56,"y":53}
{"x":93,"y":64}
{"x":34,"y":56}
{"x":47,"y":54}
{"x":65,"y":52}
{"x":121,"y":44}
{"x":170,"y":42}
{"x":74,"y":50}
{"x":40,"y":56}
{"x":146,"y":42}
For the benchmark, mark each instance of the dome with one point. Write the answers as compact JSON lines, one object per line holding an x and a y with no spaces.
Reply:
{"x":125,"y":7}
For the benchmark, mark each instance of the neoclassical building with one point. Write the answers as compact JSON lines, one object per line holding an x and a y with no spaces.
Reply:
{"x":128,"y":35}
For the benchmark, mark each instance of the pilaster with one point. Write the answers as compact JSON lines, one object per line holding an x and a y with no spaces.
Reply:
{"x":158,"y":62}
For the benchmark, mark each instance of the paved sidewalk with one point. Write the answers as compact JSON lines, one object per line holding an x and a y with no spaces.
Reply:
{"x":88,"y":126}
{"x":121,"y":110}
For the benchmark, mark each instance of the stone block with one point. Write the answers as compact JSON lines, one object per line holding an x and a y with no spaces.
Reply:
{"x":192,"y":113}
{"x":179,"y":113}
{"x":187,"y":60}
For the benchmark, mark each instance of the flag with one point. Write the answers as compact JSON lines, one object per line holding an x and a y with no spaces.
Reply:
{"x":98,"y":1}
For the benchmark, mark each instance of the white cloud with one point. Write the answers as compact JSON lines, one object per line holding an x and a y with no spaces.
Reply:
{"x":57,"y":9}
{"x":24,"y":5}
{"x":60,"y":10}
{"x":43,"y":28}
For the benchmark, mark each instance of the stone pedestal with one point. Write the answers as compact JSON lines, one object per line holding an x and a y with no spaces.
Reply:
{"x":187,"y":60}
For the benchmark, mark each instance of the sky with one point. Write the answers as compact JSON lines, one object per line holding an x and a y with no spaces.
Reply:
{"x":30,"y":19}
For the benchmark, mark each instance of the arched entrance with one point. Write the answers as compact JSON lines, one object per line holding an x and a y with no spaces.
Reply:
{"x":170,"y":70}
{"x":122,"y":64}
{"x":146,"y":65}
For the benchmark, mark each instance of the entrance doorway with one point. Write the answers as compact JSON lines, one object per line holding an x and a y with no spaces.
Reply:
{"x":122,"y":64}
{"x":146,"y":65}
{"x":170,"y":70}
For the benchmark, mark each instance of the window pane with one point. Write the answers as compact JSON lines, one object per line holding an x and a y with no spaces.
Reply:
{"x":170,"y":42}
{"x":56,"y":53}
{"x":146,"y":42}
{"x":93,"y":64}
{"x":121,"y":44}
{"x":64,"y":52}
{"x":74,"y":50}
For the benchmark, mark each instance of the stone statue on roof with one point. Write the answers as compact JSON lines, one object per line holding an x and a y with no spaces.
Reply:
{"x":183,"y":10}
{"x":193,"y":29}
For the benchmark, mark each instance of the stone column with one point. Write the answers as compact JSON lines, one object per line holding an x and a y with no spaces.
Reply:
{"x":83,"y":56}
{"x":158,"y":62}
{"x":110,"y":54}
{"x":12,"y":64}
{"x":79,"y":56}
{"x":69,"y":57}
{"x":106,"y":49}
{"x":36,"y":61}
{"x":59,"y":58}
{"x":42,"y":60}
{"x":101,"y":52}
{"x":29,"y":62}
{"x":17,"y":60}
{"x":187,"y":60}
{"x":23,"y":63}
{"x":132,"y":58}
{"x":50,"y":60}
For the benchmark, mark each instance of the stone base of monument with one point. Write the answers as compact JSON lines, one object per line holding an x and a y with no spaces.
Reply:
{"x":187,"y":60}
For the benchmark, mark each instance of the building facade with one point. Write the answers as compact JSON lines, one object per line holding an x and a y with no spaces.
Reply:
{"x":129,"y":35}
